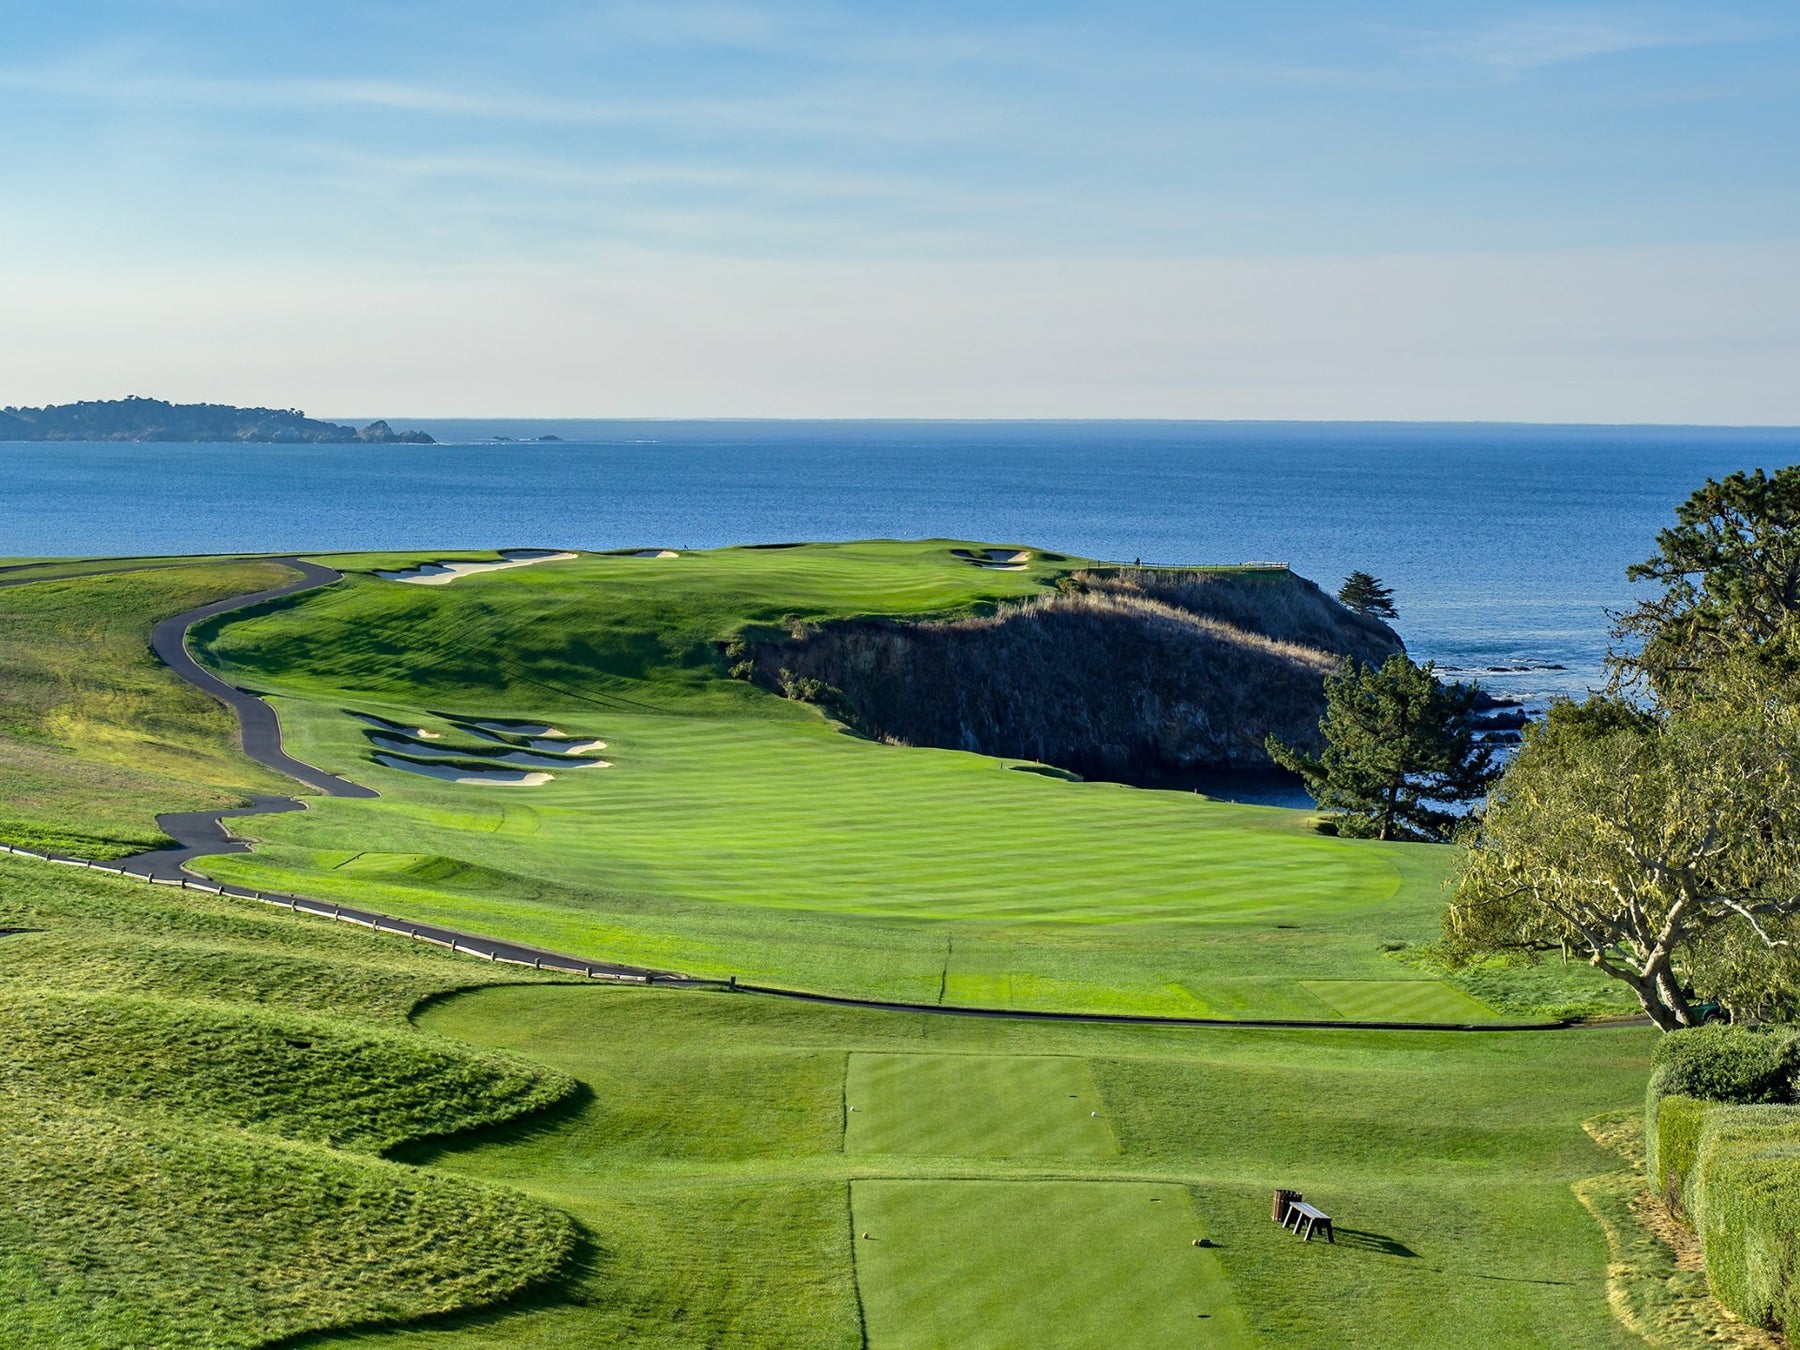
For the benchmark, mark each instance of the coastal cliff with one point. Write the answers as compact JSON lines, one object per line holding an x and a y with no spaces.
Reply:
{"x":1131,"y":674}
{"x":152,"y":419}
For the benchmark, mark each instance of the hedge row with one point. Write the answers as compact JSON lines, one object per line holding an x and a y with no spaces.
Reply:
{"x":1724,"y":1150}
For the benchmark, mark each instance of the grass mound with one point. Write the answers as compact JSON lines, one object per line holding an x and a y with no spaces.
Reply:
{"x":126,"y":1234}
{"x":317,"y":1079}
{"x":188,"y":1162}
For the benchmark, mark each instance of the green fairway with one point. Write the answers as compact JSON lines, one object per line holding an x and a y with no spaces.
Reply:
{"x":739,"y":833}
{"x":992,"y":1106}
{"x":1037,"y":1265}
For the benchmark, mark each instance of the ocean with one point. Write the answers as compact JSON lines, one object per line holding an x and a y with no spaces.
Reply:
{"x":1505,"y":544}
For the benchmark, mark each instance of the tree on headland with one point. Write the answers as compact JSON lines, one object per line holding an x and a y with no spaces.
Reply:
{"x":1730,"y":575}
{"x":1400,"y":749}
{"x":1364,"y":593}
{"x":1663,"y":850}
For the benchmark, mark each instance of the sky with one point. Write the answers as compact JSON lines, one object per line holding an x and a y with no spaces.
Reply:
{"x":1289,"y":209}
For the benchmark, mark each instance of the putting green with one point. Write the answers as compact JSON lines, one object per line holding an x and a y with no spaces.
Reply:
{"x":1399,"y":1001}
{"x":1036,"y":1265}
{"x":989,"y":1106}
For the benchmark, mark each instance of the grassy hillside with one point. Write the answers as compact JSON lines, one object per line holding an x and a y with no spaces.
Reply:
{"x":197,"y":1096}
{"x":737,"y":832}
{"x":96,"y":736}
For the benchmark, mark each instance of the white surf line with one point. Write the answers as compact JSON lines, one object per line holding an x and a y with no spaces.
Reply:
{"x":451,"y":774}
{"x":443,"y":573}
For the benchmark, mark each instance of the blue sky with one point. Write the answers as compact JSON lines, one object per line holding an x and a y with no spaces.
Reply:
{"x":978,"y":209}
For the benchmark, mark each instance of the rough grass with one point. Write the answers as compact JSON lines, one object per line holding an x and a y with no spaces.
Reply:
{"x":1656,"y":1276}
{"x":96,"y":735}
{"x":190,"y":1164}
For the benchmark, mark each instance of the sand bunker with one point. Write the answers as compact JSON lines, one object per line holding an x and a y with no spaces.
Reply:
{"x":996,"y":559}
{"x":443,"y":573}
{"x":537,"y":761}
{"x":515,"y":729}
{"x":451,"y":774}
{"x":650,"y":553}
{"x":399,"y":728}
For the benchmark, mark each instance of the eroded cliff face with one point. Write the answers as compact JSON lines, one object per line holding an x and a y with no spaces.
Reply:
{"x":1124,"y":674}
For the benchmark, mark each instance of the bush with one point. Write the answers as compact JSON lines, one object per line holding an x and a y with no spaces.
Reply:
{"x":1742,"y":1065}
{"x":1673,"y":1145}
{"x":1745,"y":1193}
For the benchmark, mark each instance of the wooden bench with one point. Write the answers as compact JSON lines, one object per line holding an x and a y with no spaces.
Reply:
{"x":1306,"y":1220}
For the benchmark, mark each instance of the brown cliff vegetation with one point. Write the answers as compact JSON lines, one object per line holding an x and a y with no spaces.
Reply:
{"x":1131,"y":674}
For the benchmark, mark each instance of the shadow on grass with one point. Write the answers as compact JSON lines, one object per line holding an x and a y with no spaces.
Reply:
{"x":424,"y":1152}
{"x":1373,"y":1242}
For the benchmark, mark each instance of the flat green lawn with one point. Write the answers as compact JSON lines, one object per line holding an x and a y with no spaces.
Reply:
{"x":1399,"y":1001}
{"x":991,"y":1106}
{"x":1037,"y":1265}
{"x":710,"y":1164}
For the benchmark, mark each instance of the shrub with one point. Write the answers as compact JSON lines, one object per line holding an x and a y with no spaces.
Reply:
{"x":1745,"y":1193}
{"x":1673,"y":1141}
{"x":1742,"y":1065}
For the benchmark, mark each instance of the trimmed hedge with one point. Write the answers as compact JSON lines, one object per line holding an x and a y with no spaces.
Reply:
{"x":1724,"y":1150}
{"x":1674,"y":1147}
{"x":1745,"y":1192}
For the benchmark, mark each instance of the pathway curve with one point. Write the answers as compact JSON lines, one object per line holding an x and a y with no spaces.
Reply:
{"x":203,"y":833}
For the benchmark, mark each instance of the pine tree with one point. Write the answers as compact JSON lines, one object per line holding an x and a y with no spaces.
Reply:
{"x":1399,"y":749}
{"x":1364,"y":593}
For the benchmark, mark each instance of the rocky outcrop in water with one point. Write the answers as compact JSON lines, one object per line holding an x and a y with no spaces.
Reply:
{"x":1131,"y":674}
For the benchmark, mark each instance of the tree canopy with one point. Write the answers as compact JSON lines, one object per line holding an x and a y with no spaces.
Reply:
{"x":1364,"y":593}
{"x":1730,"y":575}
{"x":1656,"y":829}
{"x":1399,"y":749}
{"x":1664,"y":851}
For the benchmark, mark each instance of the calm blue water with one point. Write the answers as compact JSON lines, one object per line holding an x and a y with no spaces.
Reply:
{"x":1505,"y":544}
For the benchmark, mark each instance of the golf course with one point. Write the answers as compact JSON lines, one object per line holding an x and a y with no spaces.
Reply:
{"x":970,"y":1052}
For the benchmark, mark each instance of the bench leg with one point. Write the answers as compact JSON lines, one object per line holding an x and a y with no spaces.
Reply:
{"x":1330,"y":1236}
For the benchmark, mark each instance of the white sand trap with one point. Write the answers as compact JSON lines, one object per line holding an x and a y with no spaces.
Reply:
{"x":996,"y":559}
{"x":442,"y":573}
{"x":533,"y":729}
{"x":652,"y":553}
{"x":567,"y":747}
{"x":526,"y":757}
{"x":450,"y":774}
{"x":398,"y":728}
{"x":407,"y":746}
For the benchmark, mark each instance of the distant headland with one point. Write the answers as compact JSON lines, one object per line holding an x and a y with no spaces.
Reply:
{"x":152,"y":419}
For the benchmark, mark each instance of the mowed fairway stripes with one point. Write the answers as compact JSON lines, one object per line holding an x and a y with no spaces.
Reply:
{"x":1399,"y":1001}
{"x":987,"y":1106}
{"x":1037,"y":1265}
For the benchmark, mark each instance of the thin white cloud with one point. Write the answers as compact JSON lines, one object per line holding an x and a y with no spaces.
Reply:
{"x":1556,"y":38}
